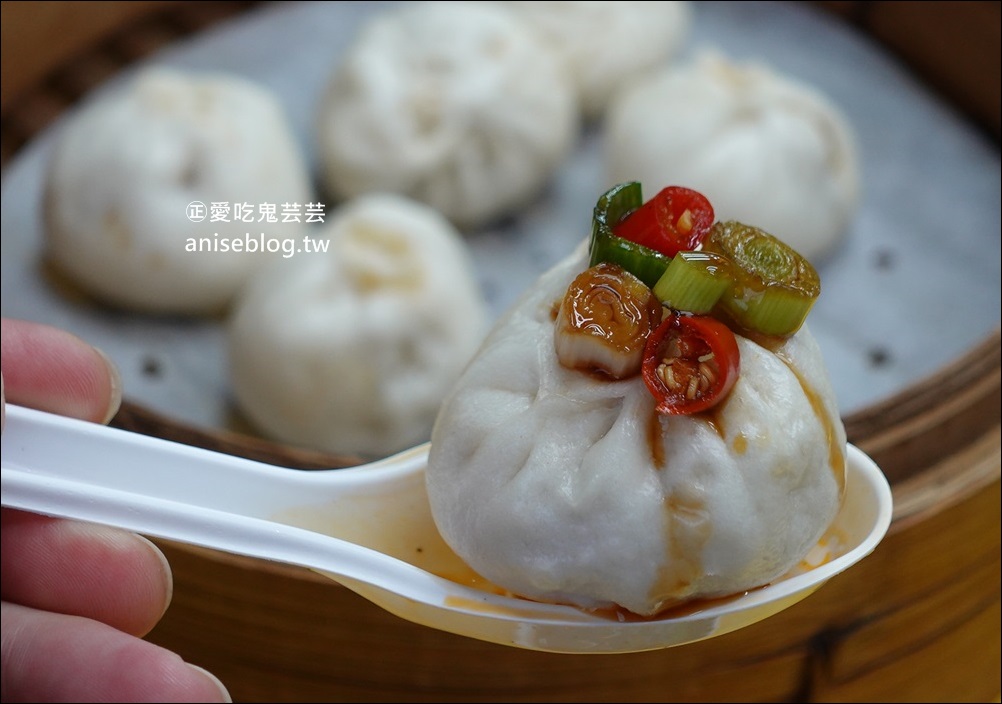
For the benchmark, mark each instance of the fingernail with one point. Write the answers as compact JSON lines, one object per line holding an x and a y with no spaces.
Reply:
{"x":115,"y":380}
{"x":168,"y":573}
{"x":224,"y":693}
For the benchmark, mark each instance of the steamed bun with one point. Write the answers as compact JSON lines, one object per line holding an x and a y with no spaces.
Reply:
{"x":126,"y":168}
{"x":604,"y":44}
{"x":351,"y":351}
{"x":762,"y":147}
{"x":564,"y":487}
{"x":455,"y":104}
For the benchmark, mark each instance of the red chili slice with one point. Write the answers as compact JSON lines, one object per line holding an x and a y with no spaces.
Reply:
{"x":690,"y":363}
{"x":675,"y":220}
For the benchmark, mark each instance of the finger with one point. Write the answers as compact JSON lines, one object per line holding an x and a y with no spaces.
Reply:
{"x":75,"y":568}
{"x":53,"y":370}
{"x":52,"y":657}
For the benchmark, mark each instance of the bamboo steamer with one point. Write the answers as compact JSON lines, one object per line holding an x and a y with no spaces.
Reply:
{"x":918,"y":620}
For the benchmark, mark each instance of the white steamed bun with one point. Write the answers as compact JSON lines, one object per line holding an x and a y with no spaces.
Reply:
{"x":547,"y":481}
{"x":351,"y":351}
{"x":455,"y":104}
{"x":126,"y":167}
{"x":607,"y":44}
{"x":762,"y":147}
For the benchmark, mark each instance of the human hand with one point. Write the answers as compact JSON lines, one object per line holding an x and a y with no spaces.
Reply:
{"x":77,"y":598}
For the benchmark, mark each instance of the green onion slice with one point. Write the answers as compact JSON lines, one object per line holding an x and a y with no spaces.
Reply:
{"x":614,"y":205}
{"x":694,"y":281}
{"x":773,"y":287}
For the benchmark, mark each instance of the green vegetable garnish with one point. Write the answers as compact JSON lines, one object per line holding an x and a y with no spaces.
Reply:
{"x":694,"y":281}
{"x":614,"y":205}
{"x":773,"y":287}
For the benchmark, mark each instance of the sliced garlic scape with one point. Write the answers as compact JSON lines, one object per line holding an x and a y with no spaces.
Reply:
{"x":774,"y":286}
{"x":694,"y":281}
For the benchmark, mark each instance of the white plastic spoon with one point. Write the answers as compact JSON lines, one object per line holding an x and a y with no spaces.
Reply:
{"x":369,"y":528}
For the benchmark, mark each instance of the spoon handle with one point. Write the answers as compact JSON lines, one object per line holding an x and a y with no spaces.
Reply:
{"x":84,"y":471}
{"x":161,"y":518}
{"x":90,"y":453}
